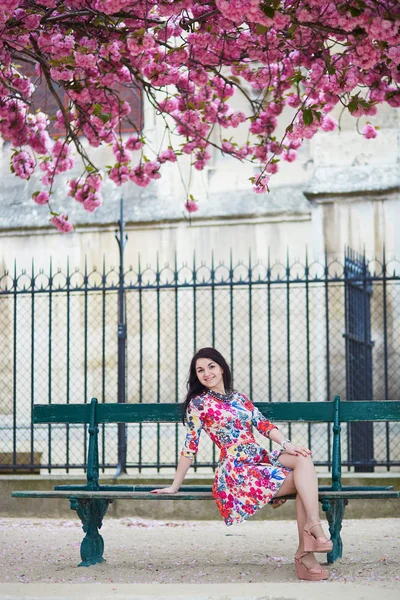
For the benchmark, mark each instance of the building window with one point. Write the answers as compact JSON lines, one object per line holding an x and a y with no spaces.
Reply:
{"x":43,"y":100}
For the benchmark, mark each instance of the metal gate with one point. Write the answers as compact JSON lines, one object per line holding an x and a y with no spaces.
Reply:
{"x":291,"y":331}
{"x":358,"y":292}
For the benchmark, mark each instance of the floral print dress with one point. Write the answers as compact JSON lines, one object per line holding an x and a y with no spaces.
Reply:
{"x":248,"y":476}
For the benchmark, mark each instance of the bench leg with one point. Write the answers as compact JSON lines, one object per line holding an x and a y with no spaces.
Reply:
{"x":334,"y":510}
{"x":91,"y":512}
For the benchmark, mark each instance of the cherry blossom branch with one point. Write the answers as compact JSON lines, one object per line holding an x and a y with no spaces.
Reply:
{"x":188,"y":57}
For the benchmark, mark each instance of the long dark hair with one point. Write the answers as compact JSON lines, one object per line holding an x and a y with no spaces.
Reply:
{"x":194,"y":387}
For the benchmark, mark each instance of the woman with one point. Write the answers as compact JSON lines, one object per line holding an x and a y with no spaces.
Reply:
{"x":248,"y":476}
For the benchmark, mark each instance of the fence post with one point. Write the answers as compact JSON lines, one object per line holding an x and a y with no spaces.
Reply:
{"x":121,"y":238}
{"x":358,"y":292}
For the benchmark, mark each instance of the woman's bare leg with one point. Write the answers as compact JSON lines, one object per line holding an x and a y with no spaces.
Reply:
{"x":301,"y":519}
{"x":289,"y":487}
{"x":309,"y":559}
{"x":302,"y":481}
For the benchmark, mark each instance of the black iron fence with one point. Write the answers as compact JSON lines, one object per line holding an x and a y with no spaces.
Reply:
{"x":293,"y":331}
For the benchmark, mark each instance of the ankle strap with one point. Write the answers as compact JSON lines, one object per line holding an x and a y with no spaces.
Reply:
{"x":315,"y":524}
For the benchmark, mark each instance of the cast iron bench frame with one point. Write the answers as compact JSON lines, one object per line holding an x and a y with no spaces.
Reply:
{"x":91,"y":501}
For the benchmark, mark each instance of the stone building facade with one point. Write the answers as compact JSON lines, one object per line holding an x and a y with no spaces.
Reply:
{"x":343,"y":189}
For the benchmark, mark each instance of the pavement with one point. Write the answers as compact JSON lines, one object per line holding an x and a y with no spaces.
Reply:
{"x":218,"y":591}
{"x":194,"y":560}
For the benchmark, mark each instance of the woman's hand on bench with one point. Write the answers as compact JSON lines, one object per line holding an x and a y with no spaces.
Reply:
{"x":167,"y":490}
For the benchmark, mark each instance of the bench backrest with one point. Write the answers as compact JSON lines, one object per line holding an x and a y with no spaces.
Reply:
{"x":335,"y":412}
{"x":312,"y":412}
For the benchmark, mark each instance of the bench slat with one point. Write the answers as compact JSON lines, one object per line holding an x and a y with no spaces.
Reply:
{"x":61,"y":413}
{"x":141,"y":487}
{"x":186,"y":495}
{"x":171,"y":413}
{"x":369,"y":411}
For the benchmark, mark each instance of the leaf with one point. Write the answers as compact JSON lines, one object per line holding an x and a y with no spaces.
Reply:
{"x":268,"y":11}
{"x":353,"y":105}
{"x":308,"y":116}
{"x":97,"y":109}
{"x":355,"y":12}
{"x":105,"y":117}
{"x":297,"y":77}
{"x":358,"y":31}
{"x":260,"y":29}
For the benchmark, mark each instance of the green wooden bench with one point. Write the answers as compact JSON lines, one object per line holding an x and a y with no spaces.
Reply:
{"x":91,"y":501}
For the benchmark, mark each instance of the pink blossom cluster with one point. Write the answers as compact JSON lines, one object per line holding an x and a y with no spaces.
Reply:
{"x":42,"y":197}
{"x":87,"y":192}
{"x":141,"y":174}
{"x":369,"y":131}
{"x":191,"y":205}
{"x":23,"y":164}
{"x":189,"y":57}
{"x":260,"y":185}
{"x":62,"y":224}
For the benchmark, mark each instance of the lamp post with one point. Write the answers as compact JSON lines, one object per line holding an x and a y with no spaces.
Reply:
{"x":122,"y":239}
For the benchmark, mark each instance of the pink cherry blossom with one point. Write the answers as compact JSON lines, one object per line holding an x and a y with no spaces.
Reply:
{"x":121,"y":153}
{"x":329,"y":123}
{"x":119,"y":174}
{"x":87,"y":191}
{"x":292,"y":62}
{"x":23,"y":164}
{"x":134,"y":143}
{"x":151,"y":169}
{"x":369,"y":131}
{"x":272,"y":168}
{"x":260,"y":185}
{"x":167,"y":155}
{"x":62,"y":224}
{"x":138,"y":176}
{"x":42,"y":197}
{"x":191,"y":206}
{"x":293,"y":100}
{"x":92,"y":201}
{"x":289,"y":155}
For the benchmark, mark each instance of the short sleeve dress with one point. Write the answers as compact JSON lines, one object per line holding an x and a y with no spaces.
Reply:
{"x":248,"y":476}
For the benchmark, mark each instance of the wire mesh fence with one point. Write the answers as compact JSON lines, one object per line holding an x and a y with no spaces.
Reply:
{"x":282,"y":327}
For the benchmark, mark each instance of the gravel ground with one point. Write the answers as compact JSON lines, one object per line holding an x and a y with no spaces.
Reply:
{"x":39,"y":551}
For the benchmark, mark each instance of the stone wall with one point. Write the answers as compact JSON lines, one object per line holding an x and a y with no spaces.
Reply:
{"x":343,"y":189}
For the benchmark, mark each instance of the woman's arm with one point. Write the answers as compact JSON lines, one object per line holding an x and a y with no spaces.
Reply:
{"x":269,"y":430}
{"x":190,"y":448}
{"x":180,"y":474}
{"x":276,"y":436}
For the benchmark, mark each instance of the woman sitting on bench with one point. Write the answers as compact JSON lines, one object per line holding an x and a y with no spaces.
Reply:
{"x":248,"y":477}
